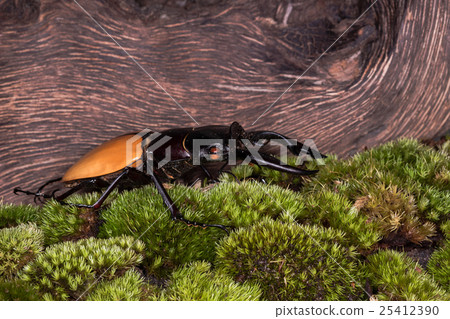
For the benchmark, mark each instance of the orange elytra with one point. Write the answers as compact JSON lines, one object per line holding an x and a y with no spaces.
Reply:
{"x":107,"y":158}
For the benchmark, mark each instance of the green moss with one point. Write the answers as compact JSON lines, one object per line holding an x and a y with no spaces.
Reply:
{"x":13,"y":215}
{"x":445,"y":148}
{"x":439,"y":265}
{"x":417,"y":187}
{"x":66,"y":271}
{"x":240,"y":172}
{"x":125,"y":288}
{"x":396,"y":277}
{"x":331,"y":209}
{"x":196,"y":281}
{"x":17,"y":290}
{"x":445,"y":228}
{"x":248,"y":202}
{"x":66,"y":222}
{"x":393,"y":211}
{"x":292,"y":262}
{"x":18,"y":245}
{"x":142,"y":214}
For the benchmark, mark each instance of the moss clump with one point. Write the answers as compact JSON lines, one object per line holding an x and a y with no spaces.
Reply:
{"x":248,"y":202}
{"x":17,"y":290}
{"x":445,"y":148}
{"x":66,"y":222}
{"x":196,"y":281}
{"x":331,"y":209}
{"x":142,"y":214}
{"x":445,"y":228}
{"x":439,"y":265}
{"x":394,"y":213}
{"x":13,"y":215}
{"x":412,"y":171}
{"x":292,"y":262}
{"x":18,"y":246}
{"x":396,"y":277}
{"x":67,"y":271}
{"x":125,"y":288}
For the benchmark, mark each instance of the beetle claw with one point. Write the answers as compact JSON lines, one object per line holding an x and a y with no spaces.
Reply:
{"x":204,"y":226}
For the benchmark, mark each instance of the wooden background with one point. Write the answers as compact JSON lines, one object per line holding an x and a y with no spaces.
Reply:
{"x":65,"y":86}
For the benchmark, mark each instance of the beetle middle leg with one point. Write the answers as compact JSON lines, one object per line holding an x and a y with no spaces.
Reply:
{"x":174,"y":211}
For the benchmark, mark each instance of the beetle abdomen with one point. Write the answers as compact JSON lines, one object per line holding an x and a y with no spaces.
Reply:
{"x":107,"y":158}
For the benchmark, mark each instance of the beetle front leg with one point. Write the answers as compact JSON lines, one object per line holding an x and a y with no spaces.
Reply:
{"x":208,"y":174}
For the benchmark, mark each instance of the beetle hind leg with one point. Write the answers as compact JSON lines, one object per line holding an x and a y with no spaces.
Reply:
{"x":104,"y":195}
{"x":38,"y":195}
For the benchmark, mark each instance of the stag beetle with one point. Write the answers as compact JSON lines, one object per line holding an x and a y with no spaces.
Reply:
{"x":129,"y":161}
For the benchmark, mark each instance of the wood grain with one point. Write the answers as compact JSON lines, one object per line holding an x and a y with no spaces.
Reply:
{"x":65,"y":86}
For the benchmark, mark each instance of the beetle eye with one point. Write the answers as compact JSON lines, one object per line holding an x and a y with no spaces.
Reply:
{"x":214,"y":152}
{"x":215,"y":149}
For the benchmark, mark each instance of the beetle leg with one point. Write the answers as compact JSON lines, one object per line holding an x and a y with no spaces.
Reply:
{"x":208,"y":174}
{"x":18,"y":190}
{"x":38,"y":194}
{"x":174,"y":211}
{"x":105,"y":194}
{"x":76,"y":188}
{"x":39,"y":191}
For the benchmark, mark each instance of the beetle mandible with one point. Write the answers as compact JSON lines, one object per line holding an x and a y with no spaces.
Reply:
{"x":112,"y":164}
